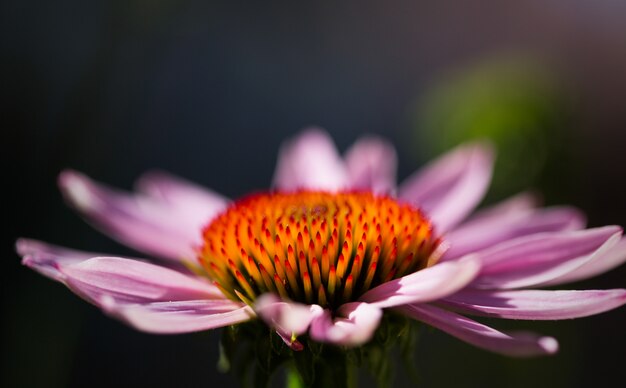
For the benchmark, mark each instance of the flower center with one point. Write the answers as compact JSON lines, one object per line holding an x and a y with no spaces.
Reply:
{"x":315,"y":247}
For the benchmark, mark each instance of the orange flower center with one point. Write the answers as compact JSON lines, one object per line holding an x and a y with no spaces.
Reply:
{"x":315,"y":247}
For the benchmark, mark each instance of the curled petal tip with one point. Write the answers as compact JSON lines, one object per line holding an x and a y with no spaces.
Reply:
{"x":549,"y":344}
{"x":107,"y":303}
{"x":27,"y":261}
{"x":296,"y":346}
{"x":67,"y":176}
{"x":75,"y":188}
{"x":21,"y":246}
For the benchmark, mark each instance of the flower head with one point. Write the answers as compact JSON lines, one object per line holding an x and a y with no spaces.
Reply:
{"x":333,"y":246}
{"x":315,"y":247}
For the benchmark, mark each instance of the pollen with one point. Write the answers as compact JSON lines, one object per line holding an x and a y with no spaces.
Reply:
{"x":315,"y":247}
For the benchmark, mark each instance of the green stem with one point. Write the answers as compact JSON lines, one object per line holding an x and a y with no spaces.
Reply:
{"x":320,"y":366}
{"x":293,"y":378}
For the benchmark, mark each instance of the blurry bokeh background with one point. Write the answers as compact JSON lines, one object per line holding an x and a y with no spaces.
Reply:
{"x":208,"y":90}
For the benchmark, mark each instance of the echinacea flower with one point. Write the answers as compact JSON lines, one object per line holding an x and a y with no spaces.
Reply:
{"x":333,"y":247}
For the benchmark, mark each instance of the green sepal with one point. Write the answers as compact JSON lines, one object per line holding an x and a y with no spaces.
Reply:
{"x":259,"y":357}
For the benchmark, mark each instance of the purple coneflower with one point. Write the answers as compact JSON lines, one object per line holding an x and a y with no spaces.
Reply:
{"x":333,"y":247}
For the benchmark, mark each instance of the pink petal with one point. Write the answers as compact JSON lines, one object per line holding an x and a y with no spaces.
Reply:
{"x":124,"y":279}
{"x":25,"y":246}
{"x":354,"y":324}
{"x":482,"y":336}
{"x":517,"y":204}
{"x":178,"y":316}
{"x":142,"y":222}
{"x":449,"y":188}
{"x":536,"y":304}
{"x":488,"y":231}
{"x":196,"y":204}
{"x":131,"y":281}
{"x":536,"y":259}
{"x":372,"y":165}
{"x":46,"y":258}
{"x":290,"y":341}
{"x":601,"y":263}
{"x":288,"y":318}
{"x":146,"y":296}
{"x":310,"y":161}
{"x":425,"y":285}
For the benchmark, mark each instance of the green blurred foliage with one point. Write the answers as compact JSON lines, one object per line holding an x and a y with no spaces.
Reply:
{"x":516,"y":103}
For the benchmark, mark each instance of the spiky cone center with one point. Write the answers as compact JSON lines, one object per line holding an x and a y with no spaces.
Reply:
{"x":315,"y":247}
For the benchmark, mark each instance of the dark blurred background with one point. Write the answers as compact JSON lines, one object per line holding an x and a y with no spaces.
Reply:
{"x":208,"y":90}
